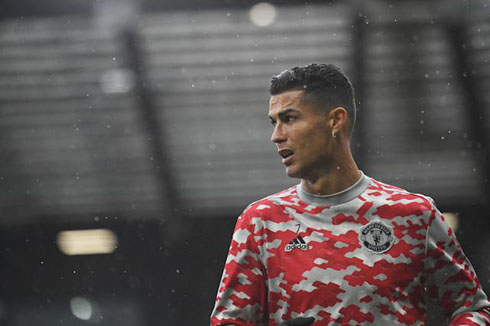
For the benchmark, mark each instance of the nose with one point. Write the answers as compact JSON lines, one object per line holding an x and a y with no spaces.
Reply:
{"x":278,"y":135}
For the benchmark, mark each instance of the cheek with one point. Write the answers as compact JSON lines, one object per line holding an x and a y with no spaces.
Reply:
{"x":316,"y":140}
{"x":310,"y":138}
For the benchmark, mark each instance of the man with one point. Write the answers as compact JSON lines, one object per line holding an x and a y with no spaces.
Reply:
{"x":340,"y":248}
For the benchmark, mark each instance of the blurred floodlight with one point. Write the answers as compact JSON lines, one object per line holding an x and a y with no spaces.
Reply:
{"x":81,"y":308}
{"x":263,"y":14}
{"x":117,"y":81}
{"x":452,"y":220}
{"x":87,"y":242}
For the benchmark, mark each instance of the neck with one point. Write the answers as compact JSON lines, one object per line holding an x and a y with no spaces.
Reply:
{"x":340,"y":174}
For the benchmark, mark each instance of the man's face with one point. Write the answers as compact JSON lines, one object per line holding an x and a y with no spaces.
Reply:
{"x":302,"y":135}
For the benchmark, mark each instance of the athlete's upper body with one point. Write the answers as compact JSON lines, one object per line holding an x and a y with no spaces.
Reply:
{"x":340,"y":247}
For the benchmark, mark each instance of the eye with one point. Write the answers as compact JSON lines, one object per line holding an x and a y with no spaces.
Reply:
{"x":273,"y":122}
{"x":288,"y":118}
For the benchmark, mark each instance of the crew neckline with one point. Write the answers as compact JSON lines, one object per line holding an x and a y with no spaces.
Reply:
{"x":337,"y":198}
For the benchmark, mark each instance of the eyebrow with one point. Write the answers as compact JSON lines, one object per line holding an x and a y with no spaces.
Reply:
{"x":285,"y":112}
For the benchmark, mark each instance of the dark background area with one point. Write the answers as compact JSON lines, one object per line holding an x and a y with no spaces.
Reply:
{"x":149,"y":118}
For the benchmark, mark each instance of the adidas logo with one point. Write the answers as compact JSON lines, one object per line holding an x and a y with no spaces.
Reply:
{"x":298,"y":243}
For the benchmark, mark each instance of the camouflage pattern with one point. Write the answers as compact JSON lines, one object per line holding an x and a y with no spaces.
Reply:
{"x":370,"y":255}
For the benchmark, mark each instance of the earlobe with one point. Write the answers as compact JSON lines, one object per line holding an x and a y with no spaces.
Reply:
{"x":331,"y":125}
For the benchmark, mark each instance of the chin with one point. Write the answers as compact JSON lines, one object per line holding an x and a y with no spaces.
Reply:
{"x":292,"y":173}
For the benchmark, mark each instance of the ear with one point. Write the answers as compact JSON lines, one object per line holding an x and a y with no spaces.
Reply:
{"x":338,"y":119}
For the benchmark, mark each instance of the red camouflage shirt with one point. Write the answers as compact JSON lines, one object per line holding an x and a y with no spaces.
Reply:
{"x":368,"y":255}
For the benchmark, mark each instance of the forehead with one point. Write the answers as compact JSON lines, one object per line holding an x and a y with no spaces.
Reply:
{"x":289,"y":99}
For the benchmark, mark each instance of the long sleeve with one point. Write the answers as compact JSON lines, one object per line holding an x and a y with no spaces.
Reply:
{"x":450,"y":277}
{"x":242,"y":294}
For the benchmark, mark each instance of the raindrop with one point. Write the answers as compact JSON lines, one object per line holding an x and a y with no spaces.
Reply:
{"x":262,"y":14}
{"x":81,"y":308}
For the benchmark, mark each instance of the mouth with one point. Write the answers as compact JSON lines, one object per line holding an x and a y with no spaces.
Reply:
{"x":286,"y":155}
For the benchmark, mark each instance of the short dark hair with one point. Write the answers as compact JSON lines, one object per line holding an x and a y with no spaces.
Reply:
{"x":326,"y":84}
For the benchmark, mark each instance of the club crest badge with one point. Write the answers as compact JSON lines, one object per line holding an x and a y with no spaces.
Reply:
{"x":376,"y":237}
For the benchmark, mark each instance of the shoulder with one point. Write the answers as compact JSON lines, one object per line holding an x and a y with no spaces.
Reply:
{"x":269,"y":206}
{"x":396,"y":197}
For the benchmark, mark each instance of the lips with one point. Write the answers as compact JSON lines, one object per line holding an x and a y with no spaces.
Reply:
{"x":286,"y":155}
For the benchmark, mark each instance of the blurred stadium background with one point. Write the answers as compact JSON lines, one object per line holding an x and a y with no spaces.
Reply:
{"x":145,"y":122}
